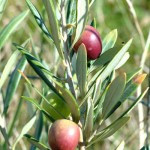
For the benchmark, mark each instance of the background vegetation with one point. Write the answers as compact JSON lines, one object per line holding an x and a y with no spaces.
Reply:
{"x":109,"y":15}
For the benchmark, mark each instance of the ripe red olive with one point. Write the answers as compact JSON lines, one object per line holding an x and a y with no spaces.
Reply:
{"x":92,"y":41}
{"x":64,"y":135}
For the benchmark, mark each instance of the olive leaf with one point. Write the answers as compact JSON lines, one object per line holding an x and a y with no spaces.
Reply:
{"x":36,"y":142}
{"x":12,"y":60}
{"x":113,"y":95}
{"x":54,"y":25}
{"x":88,"y":126}
{"x":110,"y":40}
{"x":38,"y":19}
{"x":81,"y":69}
{"x":25,"y":129}
{"x":110,"y":130}
{"x":82,"y":13}
{"x":10,"y":27}
{"x":13,"y":83}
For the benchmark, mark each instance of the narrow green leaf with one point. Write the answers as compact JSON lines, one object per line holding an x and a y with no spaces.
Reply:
{"x":98,"y":107}
{"x":65,"y":93}
{"x":134,"y":103}
{"x":110,"y":130}
{"x":113,"y":95}
{"x":110,"y":40}
{"x":112,"y":64}
{"x":71,"y":101}
{"x":81,"y":69}
{"x":89,"y":93}
{"x":50,"y":108}
{"x":35,"y":142}
{"x":123,"y":60}
{"x":38,"y":129}
{"x":39,"y":107}
{"x":58,"y":104}
{"x":104,"y":59}
{"x":14,"y":82}
{"x":82,"y":13}
{"x":54,"y":25}
{"x":13,"y":24}
{"x":97,"y":91}
{"x":133,"y":73}
{"x":38,"y":19}
{"x":25,"y":129}
{"x":115,"y":60}
{"x":131,"y":86}
{"x":88,"y":126}
{"x":38,"y":67}
{"x":12,"y":60}
{"x":71,"y":12}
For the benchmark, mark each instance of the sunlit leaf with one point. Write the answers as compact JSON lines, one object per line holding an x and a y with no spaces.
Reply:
{"x":123,"y":60}
{"x":109,"y":41}
{"x":114,"y":62}
{"x":111,"y":65}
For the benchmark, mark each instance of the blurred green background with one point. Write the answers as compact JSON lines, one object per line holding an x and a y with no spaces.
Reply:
{"x":109,"y":14}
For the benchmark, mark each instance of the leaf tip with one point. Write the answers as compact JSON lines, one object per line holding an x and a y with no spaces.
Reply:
{"x":139,"y":78}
